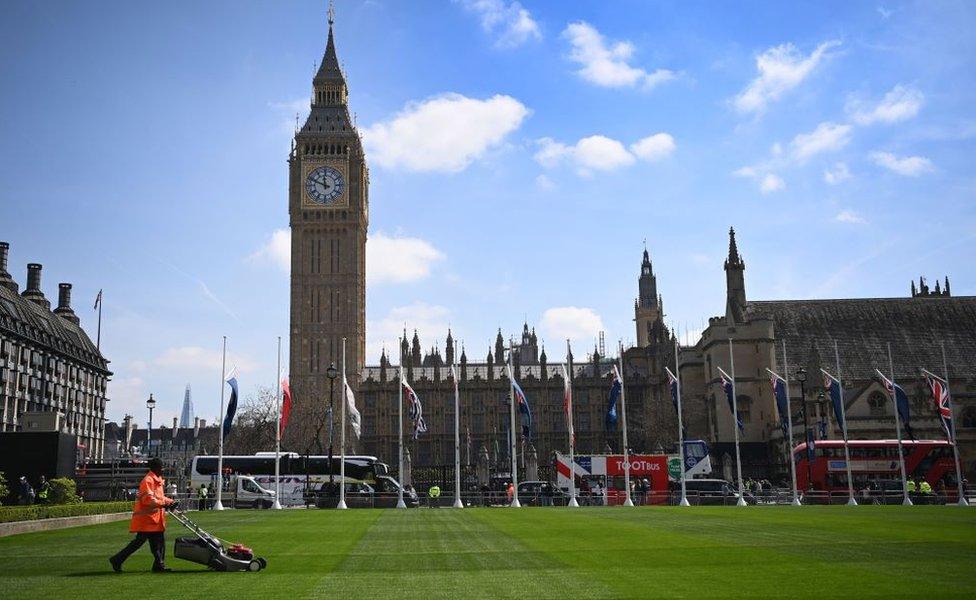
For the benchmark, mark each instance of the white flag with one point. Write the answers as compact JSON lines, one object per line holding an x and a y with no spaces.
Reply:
{"x":354,"y":418}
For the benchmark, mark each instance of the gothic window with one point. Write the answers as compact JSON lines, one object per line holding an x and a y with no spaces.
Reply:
{"x":969,"y":416}
{"x":877,"y":403}
{"x":744,"y":406}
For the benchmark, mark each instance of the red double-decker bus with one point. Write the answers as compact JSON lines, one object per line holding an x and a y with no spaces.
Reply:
{"x":875,"y":461}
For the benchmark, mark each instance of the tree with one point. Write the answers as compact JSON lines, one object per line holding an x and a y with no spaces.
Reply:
{"x":254,"y":425}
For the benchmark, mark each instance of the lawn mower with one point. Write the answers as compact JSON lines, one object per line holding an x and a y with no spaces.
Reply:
{"x":207,"y":549}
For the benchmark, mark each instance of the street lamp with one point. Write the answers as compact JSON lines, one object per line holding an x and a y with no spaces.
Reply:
{"x":150,"y":404}
{"x":331,"y":373}
{"x":801,"y":376}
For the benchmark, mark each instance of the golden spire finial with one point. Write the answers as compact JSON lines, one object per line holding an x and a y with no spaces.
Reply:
{"x":331,"y":12}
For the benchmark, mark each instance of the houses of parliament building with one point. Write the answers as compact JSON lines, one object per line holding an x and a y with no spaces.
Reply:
{"x":329,"y":215}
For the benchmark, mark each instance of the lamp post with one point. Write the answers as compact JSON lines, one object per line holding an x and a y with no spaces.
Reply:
{"x":150,"y":404}
{"x":331,"y":373}
{"x":801,"y":376}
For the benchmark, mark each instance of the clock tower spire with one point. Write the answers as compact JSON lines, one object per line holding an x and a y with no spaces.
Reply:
{"x":328,"y":207}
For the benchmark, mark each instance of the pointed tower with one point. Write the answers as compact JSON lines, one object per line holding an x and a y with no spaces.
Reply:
{"x":449,"y":348}
{"x":186,"y":415}
{"x":416,"y":359}
{"x":328,"y":210}
{"x":946,"y":290}
{"x":647,"y":307}
{"x":735,"y":285}
{"x":499,"y":347}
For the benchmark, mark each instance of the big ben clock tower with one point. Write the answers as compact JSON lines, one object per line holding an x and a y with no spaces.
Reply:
{"x":328,"y":207}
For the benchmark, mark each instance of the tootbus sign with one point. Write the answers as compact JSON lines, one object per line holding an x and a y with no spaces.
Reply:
{"x":607,"y":470}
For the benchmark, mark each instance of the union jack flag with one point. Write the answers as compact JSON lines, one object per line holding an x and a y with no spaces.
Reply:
{"x":414,"y":410}
{"x":782,"y":401}
{"x":943,"y":401}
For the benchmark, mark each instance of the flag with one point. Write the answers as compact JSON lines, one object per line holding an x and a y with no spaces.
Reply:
{"x":836,"y":393}
{"x":943,"y":401}
{"x":414,"y":409}
{"x":285,"y":405}
{"x":616,"y":386}
{"x":782,"y":401}
{"x":98,"y":300}
{"x":354,"y":417}
{"x":811,"y":451}
{"x":231,"y":404}
{"x":673,"y":386}
{"x":901,"y":402}
{"x":729,"y":387}
{"x":568,"y":404}
{"x":523,"y":406}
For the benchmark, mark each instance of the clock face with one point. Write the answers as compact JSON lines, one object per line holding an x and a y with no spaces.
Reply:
{"x":324,"y":185}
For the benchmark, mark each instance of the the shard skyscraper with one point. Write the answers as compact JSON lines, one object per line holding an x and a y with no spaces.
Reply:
{"x":186,"y":416}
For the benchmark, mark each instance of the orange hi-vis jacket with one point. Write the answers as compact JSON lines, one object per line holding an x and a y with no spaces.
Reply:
{"x":148,"y":514}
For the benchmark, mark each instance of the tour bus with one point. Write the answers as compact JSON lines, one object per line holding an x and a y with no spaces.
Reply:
{"x":299,"y":475}
{"x":875,"y":461}
{"x":605,"y":472}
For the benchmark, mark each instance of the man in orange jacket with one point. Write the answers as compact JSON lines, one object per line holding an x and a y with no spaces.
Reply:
{"x":148,"y":520}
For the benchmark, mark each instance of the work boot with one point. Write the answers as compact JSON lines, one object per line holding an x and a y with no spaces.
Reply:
{"x":162,"y":569}
{"x":116,"y":565}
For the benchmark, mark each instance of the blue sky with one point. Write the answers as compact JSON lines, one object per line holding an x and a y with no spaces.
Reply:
{"x":520,"y":154}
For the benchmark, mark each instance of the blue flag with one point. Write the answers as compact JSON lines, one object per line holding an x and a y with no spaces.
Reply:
{"x":901,"y":402}
{"x":615,"y":388}
{"x":231,"y":405}
{"x":836,"y":393}
{"x":782,"y":402}
{"x":729,"y":388}
{"x":524,"y":412}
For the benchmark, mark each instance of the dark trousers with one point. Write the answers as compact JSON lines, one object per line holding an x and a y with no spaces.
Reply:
{"x":157,"y":544}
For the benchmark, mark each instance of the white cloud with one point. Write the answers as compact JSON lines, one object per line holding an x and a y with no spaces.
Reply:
{"x":768,"y":182}
{"x":826,"y":137}
{"x":399,"y":259}
{"x":654,"y":147}
{"x":128,"y":395}
{"x":849,"y":216}
{"x":601,"y":153}
{"x":899,"y":104}
{"x":607,"y":66}
{"x":909,"y":166}
{"x":771,"y":183}
{"x":276,"y":250}
{"x":509,"y":21}
{"x":781,"y":68}
{"x":197,"y":359}
{"x":837,"y":174}
{"x":444,"y":133}
{"x":430,"y":321}
{"x":571,"y":322}
{"x":543,"y":183}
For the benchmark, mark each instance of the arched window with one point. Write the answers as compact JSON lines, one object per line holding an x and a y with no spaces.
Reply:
{"x":744,"y":406}
{"x":878,"y":403}
{"x":969,"y":416}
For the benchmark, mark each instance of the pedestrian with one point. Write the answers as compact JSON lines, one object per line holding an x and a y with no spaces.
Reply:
{"x":43,"y":490}
{"x":25,"y":493}
{"x":509,"y":492}
{"x":148,"y":520}
{"x":202,"y":497}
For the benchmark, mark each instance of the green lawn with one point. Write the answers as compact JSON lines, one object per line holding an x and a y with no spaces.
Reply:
{"x":701,"y":552}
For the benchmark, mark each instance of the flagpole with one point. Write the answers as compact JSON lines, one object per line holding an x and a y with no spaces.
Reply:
{"x":789,"y":422}
{"x":572,"y":433}
{"x":735,"y":427}
{"x":681,"y":428}
{"x":342,"y":434}
{"x":218,"y":505}
{"x":400,"y":502}
{"x":628,"y":501}
{"x":98,"y":336}
{"x":511,"y":392}
{"x":843,"y":415}
{"x":952,"y":424}
{"x":277,"y":500}
{"x":457,"y":437}
{"x":901,"y":453}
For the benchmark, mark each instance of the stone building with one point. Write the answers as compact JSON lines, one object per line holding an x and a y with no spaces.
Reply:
{"x":328,"y":206}
{"x":915,"y":327}
{"x":50,"y":371}
{"x":485,"y":420}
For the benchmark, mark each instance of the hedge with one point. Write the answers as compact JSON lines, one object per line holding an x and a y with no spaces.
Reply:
{"x":9,"y":514}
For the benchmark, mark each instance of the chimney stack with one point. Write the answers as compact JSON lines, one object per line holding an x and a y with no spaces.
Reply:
{"x":64,"y":304}
{"x":33,"y":291}
{"x":5,"y":279}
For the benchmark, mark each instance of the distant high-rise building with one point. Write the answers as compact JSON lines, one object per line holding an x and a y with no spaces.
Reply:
{"x":186,"y":416}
